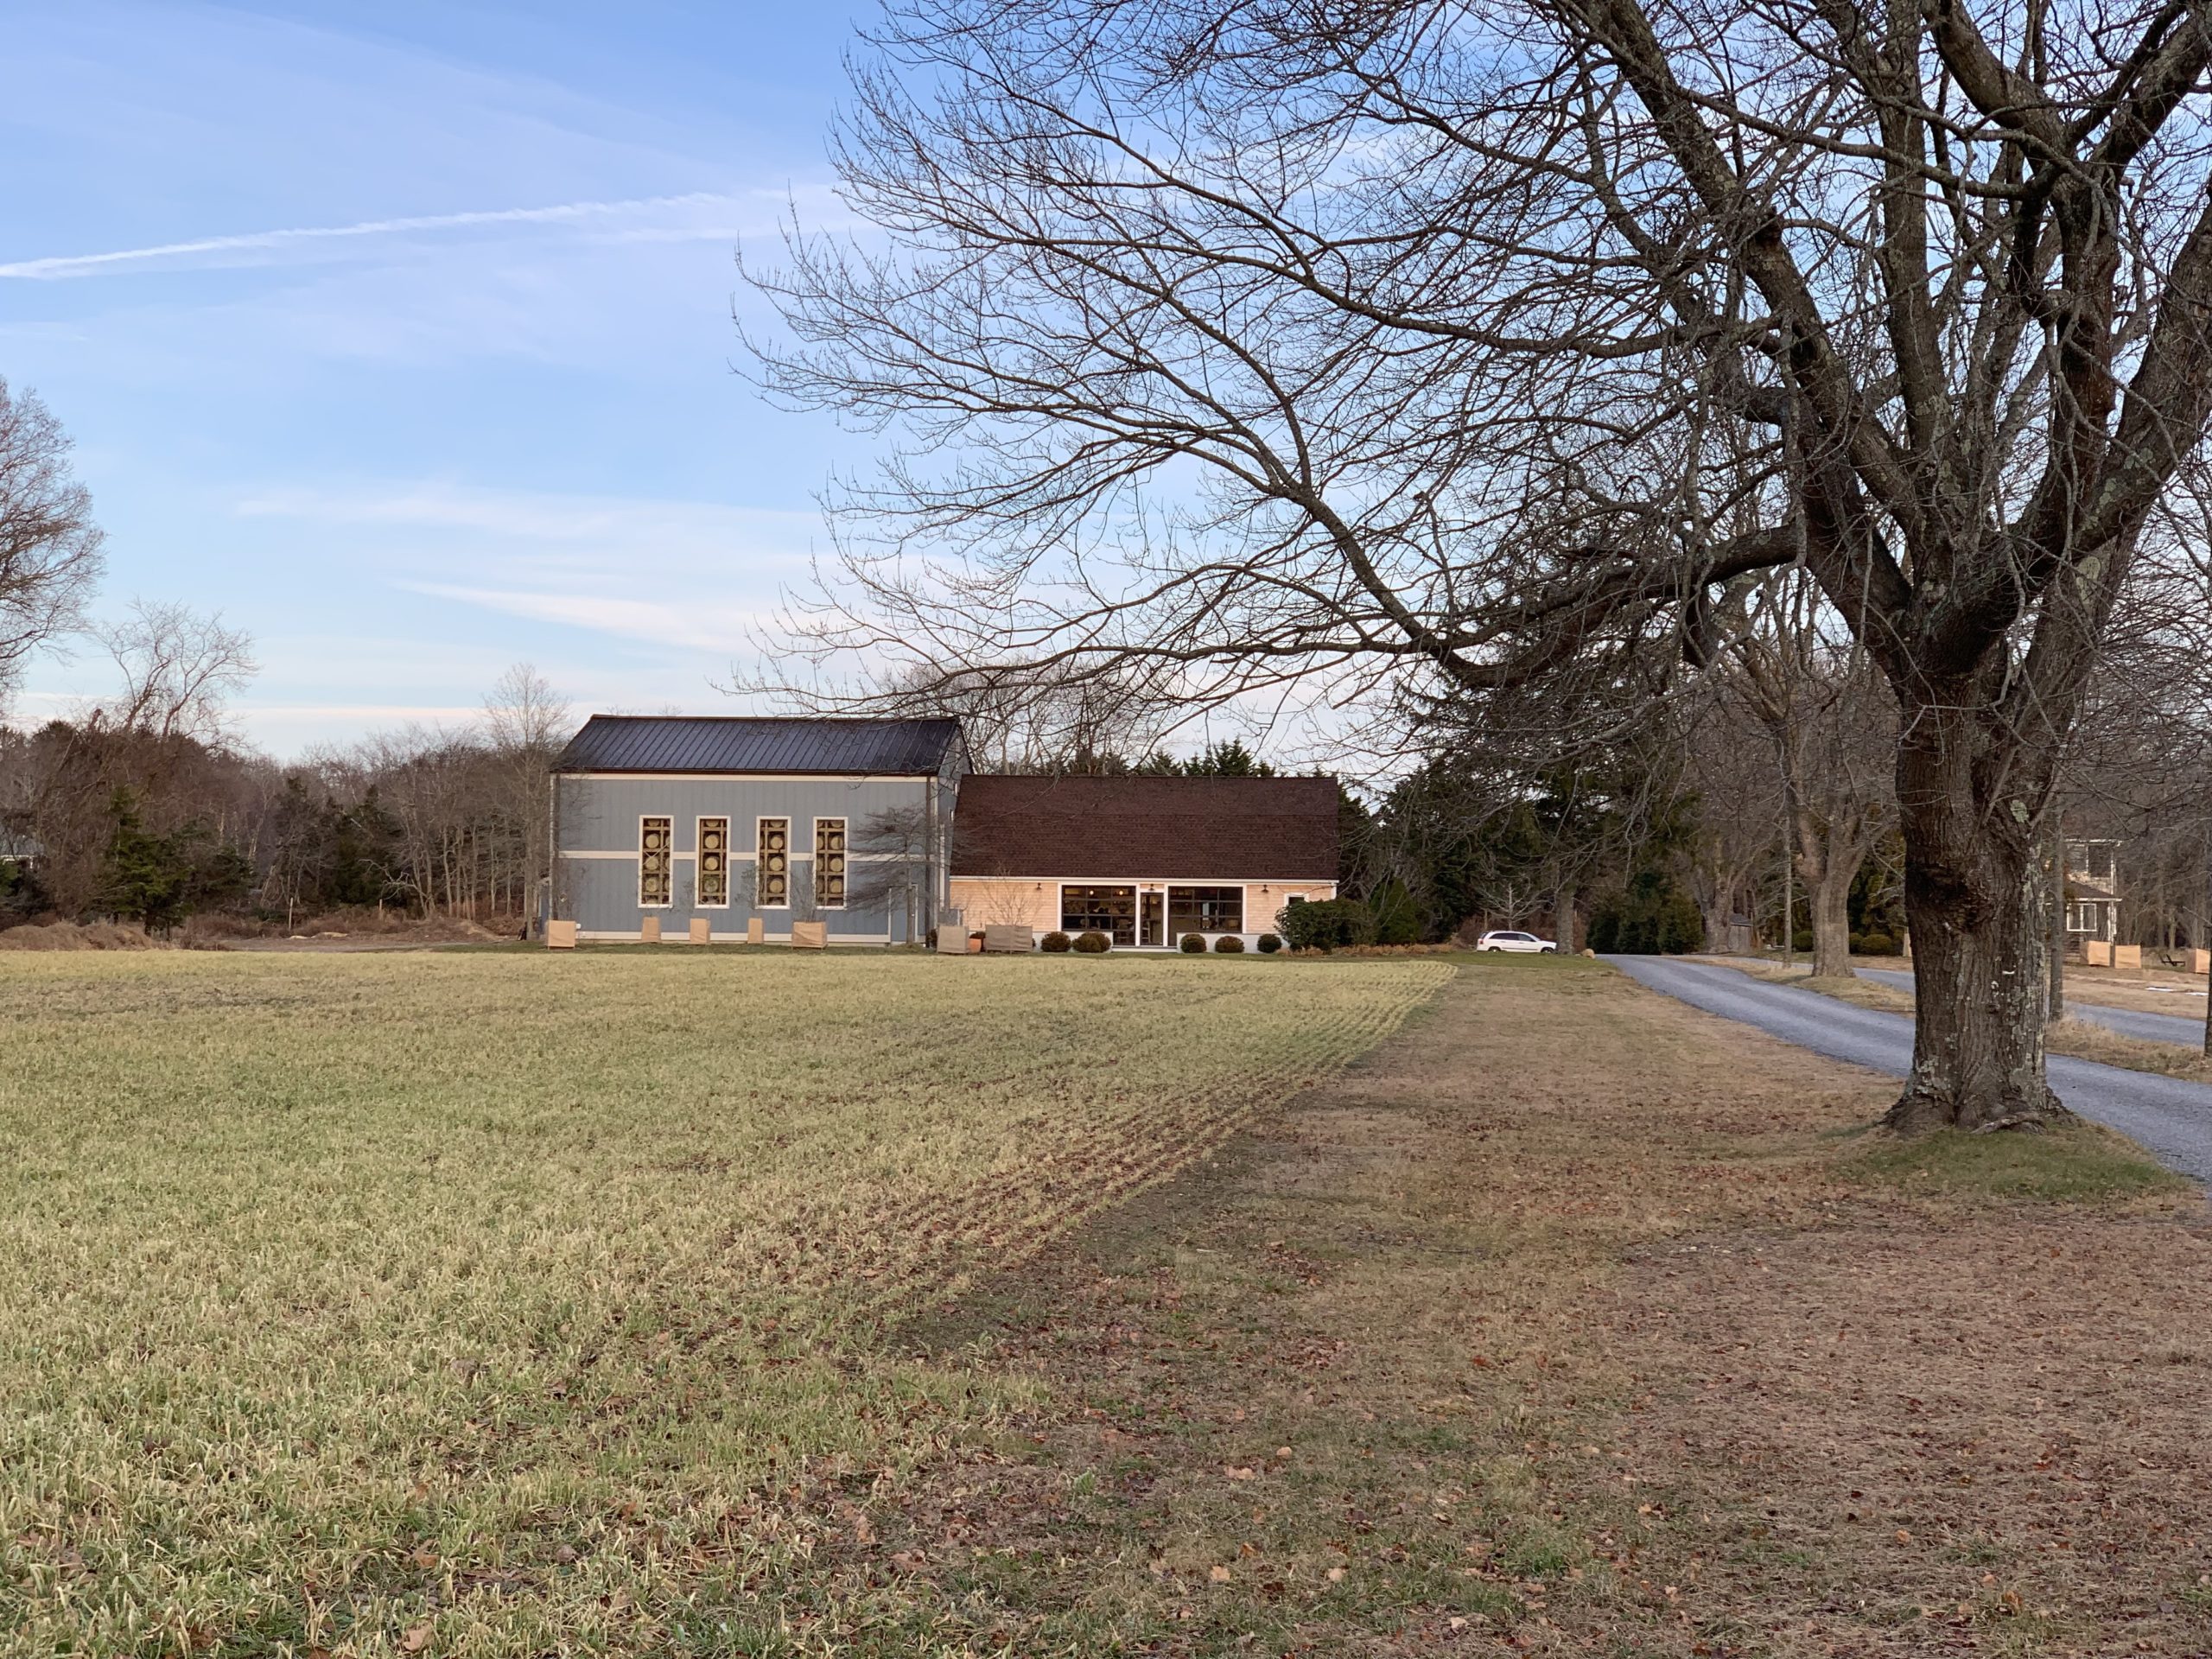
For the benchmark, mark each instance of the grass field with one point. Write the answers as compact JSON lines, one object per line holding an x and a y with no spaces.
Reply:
{"x":481,"y":1304}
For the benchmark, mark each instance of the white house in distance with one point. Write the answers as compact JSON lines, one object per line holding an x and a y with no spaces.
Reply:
{"x":1142,"y":859}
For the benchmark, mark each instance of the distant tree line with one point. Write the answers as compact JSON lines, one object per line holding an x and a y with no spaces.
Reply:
{"x":149,"y":811}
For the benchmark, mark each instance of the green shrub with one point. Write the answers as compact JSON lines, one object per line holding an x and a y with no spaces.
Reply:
{"x":1397,"y":918}
{"x":1876,"y":944}
{"x":1056,"y":943}
{"x":1327,"y":925}
{"x":1093,"y":943}
{"x":1194,"y":944}
{"x":1269,"y":944}
{"x":1801,"y":940}
{"x":1228,"y":945}
{"x":1648,"y":917}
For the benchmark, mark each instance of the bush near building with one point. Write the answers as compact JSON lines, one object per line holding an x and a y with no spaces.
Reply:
{"x":1329,"y":924}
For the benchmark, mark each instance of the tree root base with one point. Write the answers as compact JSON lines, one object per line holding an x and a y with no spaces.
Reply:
{"x":1917,"y":1114}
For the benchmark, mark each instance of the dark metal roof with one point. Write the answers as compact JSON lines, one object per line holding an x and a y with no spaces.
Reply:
{"x":1146,"y":829}
{"x":898,"y":748}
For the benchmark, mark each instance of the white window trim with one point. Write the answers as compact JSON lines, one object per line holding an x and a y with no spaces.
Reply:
{"x":1244,"y":906}
{"x":698,"y":845}
{"x":789,"y":860}
{"x":813,"y":849}
{"x":643,"y":818}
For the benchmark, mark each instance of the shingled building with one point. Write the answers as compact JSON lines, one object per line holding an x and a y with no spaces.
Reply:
{"x":738,"y":828}
{"x":1143,"y":859}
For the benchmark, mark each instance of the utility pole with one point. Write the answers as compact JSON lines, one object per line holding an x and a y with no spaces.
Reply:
{"x":1790,"y":890}
{"x":2208,"y":980}
{"x":2057,"y":933}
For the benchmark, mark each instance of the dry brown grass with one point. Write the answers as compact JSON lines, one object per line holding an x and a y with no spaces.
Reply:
{"x":1576,"y":1322}
{"x":492,"y":1303}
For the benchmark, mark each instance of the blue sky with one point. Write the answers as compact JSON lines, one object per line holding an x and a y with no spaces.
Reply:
{"x":401,"y":334}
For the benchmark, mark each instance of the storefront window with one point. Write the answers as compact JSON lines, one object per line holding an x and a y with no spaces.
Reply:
{"x":1110,"y":911}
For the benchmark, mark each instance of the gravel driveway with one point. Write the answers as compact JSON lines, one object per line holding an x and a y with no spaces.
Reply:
{"x":2172,"y":1119}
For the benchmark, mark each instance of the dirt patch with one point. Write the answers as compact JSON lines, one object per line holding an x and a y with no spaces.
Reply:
{"x":69,"y":936}
{"x":352,"y":929}
{"x":1572,"y":1321}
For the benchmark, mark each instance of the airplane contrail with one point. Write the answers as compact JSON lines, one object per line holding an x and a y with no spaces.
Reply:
{"x":79,"y":265}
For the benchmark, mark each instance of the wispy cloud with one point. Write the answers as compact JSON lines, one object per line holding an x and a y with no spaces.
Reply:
{"x":643,"y":522}
{"x":674,"y":622}
{"x":61,"y":267}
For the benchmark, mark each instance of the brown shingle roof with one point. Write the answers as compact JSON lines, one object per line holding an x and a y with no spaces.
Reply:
{"x":1147,"y":828}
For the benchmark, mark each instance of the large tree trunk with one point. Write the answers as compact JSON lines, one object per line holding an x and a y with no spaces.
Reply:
{"x":1830,"y":888}
{"x":1716,"y":914}
{"x":1975,"y":898}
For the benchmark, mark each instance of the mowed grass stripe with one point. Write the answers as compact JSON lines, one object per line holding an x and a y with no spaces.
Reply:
{"x":344,"y":1294}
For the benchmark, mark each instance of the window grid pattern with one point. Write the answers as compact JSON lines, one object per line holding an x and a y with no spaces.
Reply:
{"x":1110,"y":911}
{"x":656,"y":860}
{"x":1205,"y":910}
{"x":829,"y":863}
{"x":775,"y":863}
{"x":713,"y":862}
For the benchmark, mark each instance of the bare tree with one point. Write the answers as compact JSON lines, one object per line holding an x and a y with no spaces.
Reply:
{"x":178,"y":670}
{"x":50,"y":546}
{"x":525,"y":724}
{"x":1830,"y":725}
{"x":1730,"y":767}
{"x":1243,"y":345}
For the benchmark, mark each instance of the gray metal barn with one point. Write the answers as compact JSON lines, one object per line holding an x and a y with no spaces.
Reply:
{"x":725,"y":820}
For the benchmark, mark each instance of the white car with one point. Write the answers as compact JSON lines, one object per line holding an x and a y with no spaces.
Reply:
{"x":1506,"y":939}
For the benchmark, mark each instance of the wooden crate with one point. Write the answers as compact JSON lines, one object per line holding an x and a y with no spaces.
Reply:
{"x":701,"y":930}
{"x":560,"y":936}
{"x":756,"y":930}
{"x":1011,"y":937}
{"x":2096,"y":952}
{"x":2128,"y":957}
{"x":649,"y":933}
{"x":810,"y":936}
{"x":2200,"y":962}
{"x":951,"y":935}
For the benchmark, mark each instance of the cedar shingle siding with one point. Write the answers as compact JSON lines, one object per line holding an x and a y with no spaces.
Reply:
{"x":1161,"y":828}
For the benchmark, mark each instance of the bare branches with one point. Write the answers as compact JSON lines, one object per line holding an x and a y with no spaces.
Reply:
{"x":177,"y":668}
{"x":50,"y":546}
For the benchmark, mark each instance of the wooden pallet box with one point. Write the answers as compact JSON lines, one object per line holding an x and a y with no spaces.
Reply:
{"x":1012,"y":938}
{"x":701,"y":930}
{"x":810,"y":936}
{"x":649,"y":932}
{"x":560,"y":936}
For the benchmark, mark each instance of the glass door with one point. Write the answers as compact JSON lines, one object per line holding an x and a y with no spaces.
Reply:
{"x":1154,"y":922}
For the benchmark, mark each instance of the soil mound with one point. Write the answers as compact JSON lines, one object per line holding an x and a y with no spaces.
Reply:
{"x":69,"y":936}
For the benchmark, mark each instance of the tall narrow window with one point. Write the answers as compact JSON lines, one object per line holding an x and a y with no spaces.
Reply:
{"x":714,"y":863}
{"x":774,"y":879}
{"x":655,"y":856}
{"x":829,"y":863}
